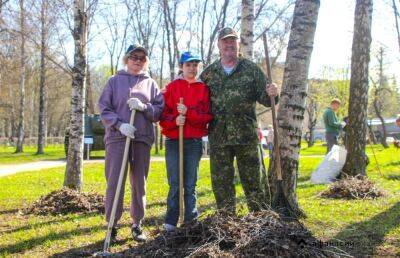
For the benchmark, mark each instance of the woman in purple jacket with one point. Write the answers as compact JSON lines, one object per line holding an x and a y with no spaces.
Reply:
{"x":130,"y":89}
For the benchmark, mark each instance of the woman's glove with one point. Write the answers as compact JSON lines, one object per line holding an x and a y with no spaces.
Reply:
{"x":180,"y":120}
{"x":135,"y":103}
{"x":182,"y":109}
{"x":128,"y":130}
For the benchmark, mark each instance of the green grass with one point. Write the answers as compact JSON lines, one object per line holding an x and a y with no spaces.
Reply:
{"x":7,"y":155}
{"x":372,"y":226}
{"x":53,"y":152}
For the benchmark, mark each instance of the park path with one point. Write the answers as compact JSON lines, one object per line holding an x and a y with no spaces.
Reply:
{"x":11,"y":169}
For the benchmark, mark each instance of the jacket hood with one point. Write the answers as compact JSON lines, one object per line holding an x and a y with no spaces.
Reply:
{"x":125,"y":73}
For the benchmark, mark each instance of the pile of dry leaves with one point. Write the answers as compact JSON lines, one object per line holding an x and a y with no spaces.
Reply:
{"x":66,"y":201}
{"x":358,"y":187}
{"x":261,"y":234}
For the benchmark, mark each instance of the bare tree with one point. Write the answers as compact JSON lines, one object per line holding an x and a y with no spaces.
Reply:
{"x":21,"y":130}
{"x":116,"y":44}
{"x":378,"y":97}
{"x":357,"y":126}
{"x":311,"y":110}
{"x":169,"y":15}
{"x":42,"y":87}
{"x":396,"y":18}
{"x":247,"y":28}
{"x":73,"y":172}
{"x":293,"y":95}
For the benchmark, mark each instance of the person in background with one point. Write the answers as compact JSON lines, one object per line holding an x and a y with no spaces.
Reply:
{"x":130,"y":89}
{"x":270,"y":140}
{"x":332,"y":124}
{"x":194,"y":115}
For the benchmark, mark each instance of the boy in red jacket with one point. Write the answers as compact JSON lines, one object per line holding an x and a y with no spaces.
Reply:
{"x":194,"y":114}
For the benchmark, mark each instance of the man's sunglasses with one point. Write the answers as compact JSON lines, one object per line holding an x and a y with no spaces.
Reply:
{"x":137,"y":58}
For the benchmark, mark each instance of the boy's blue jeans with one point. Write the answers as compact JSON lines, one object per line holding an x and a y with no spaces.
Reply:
{"x":192,"y":151}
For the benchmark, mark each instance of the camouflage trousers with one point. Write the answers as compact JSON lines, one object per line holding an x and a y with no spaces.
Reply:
{"x":222,"y":176}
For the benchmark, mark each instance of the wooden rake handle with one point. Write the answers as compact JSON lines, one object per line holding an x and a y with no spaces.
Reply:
{"x":274,"y":122}
{"x":181,"y":200}
{"x":119,"y":185}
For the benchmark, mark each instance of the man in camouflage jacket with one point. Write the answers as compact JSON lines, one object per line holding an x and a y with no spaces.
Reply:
{"x":236,"y":84}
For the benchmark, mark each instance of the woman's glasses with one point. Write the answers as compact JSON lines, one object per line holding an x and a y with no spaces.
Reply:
{"x":137,"y":58}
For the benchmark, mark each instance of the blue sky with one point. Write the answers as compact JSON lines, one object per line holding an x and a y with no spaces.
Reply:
{"x":333,"y":39}
{"x":334,"y":35}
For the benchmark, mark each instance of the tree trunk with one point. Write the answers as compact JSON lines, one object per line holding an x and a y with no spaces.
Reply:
{"x":246,"y":34}
{"x":89,"y":92}
{"x":293,"y":96}
{"x":371,"y":134}
{"x":42,"y":87}
{"x":312,"y":120}
{"x":73,"y":173}
{"x":21,"y":129}
{"x":356,"y":158}
{"x":396,"y":16}
{"x":378,"y":99}
{"x":379,"y":115}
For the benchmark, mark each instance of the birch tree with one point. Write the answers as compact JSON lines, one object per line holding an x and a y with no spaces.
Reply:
{"x":21,"y":117}
{"x":293,"y":95}
{"x":356,"y":160}
{"x":73,"y":172}
{"x":247,"y":28}
{"x":42,"y":86}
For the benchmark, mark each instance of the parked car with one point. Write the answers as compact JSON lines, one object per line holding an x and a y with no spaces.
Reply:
{"x":392,"y":129}
{"x":93,"y":135}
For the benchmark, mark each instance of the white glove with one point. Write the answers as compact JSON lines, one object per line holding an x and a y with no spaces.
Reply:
{"x":180,"y":120}
{"x":135,"y":103}
{"x":343,"y":123}
{"x":128,"y":130}
{"x":182,"y":109}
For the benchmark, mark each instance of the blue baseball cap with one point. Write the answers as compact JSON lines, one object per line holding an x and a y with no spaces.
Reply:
{"x":189,"y":57}
{"x":134,"y":47}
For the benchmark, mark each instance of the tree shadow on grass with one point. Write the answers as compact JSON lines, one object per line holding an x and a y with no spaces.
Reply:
{"x":393,"y":163}
{"x":362,"y":238}
{"x":393,"y":177}
{"x":37,"y":241}
{"x":11,"y":211}
{"x":53,"y":220}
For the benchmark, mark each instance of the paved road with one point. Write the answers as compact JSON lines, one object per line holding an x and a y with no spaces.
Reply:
{"x":6,"y":170}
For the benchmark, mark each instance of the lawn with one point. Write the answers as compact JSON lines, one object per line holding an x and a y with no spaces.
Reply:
{"x":361,"y":227}
{"x":53,"y":152}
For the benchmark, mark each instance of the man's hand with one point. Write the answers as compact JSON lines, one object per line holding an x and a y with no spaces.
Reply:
{"x":272,"y":90}
{"x":135,"y":103}
{"x":128,"y":130}
{"x":343,"y":123}
{"x":182,"y":109}
{"x":180,"y":120}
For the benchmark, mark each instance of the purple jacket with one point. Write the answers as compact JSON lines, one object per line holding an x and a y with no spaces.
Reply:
{"x":114,"y":110}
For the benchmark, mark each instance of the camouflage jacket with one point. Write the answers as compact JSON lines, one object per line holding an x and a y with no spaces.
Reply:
{"x":233,"y":102}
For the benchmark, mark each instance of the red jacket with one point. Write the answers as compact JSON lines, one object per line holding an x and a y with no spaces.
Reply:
{"x":196,"y":98}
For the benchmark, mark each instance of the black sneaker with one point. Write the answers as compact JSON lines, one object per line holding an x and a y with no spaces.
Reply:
{"x":113,"y":237}
{"x":138,"y":234}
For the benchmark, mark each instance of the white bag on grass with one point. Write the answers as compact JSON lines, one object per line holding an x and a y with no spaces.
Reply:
{"x":330,"y":167}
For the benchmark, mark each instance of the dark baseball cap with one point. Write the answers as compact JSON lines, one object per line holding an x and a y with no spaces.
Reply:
{"x":227,"y":32}
{"x":134,"y":47}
